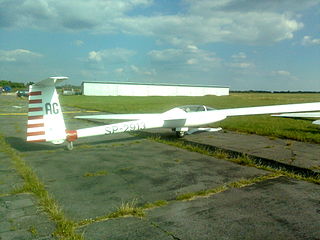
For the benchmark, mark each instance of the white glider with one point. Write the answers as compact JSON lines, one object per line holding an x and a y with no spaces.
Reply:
{"x":46,"y":123}
{"x":301,"y":115}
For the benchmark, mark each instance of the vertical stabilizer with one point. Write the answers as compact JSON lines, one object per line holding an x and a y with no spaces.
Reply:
{"x":45,"y":119}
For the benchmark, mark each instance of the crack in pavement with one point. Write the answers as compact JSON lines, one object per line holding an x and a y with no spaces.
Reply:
{"x":153,"y":224}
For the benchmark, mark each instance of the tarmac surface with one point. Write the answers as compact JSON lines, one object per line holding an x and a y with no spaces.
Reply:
{"x":102,"y":173}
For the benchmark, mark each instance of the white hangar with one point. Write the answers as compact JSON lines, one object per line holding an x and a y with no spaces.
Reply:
{"x":147,"y":89}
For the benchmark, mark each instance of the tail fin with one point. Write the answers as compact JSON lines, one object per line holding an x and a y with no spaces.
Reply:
{"x":45,"y":119}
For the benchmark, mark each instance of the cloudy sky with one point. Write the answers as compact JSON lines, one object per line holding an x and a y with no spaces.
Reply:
{"x":244,"y":44}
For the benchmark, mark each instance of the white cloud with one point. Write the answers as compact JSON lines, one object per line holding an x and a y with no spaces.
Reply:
{"x":111,"y":56}
{"x":242,"y":65}
{"x":119,"y":70}
{"x":206,"y":6}
{"x":186,"y":57}
{"x":283,"y":74}
{"x":308,"y":41}
{"x":239,"y":61}
{"x":192,"y":61}
{"x":78,"y":43}
{"x":18,"y":55}
{"x":71,"y":15}
{"x":141,"y":71}
{"x":239,"y":56}
{"x":251,"y":27}
{"x":166,"y":55}
{"x":204,"y":21}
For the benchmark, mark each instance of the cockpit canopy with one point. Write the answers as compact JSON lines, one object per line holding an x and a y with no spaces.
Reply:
{"x":196,"y":108}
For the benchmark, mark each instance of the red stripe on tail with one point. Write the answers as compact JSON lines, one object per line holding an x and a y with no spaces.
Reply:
{"x":35,"y":125}
{"x":35,"y":117}
{"x":36,"y":109}
{"x":38,"y":140}
{"x":36,"y":93}
{"x":35,"y":101}
{"x":36,"y":133}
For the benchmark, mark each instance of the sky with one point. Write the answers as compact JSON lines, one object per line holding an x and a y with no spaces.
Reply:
{"x":271,"y":45}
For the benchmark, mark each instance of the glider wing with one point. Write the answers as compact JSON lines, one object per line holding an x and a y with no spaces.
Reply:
{"x":286,"y":108}
{"x":299,"y":115}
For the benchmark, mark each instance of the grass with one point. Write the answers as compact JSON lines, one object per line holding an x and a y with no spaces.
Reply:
{"x":96,"y":174}
{"x":126,"y":209}
{"x":236,"y":184}
{"x":33,"y":231}
{"x":155,"y":204}
{"x":301,"y":130}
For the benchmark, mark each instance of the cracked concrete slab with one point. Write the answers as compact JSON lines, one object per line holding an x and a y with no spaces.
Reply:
{"x":274,"y":209}
{"x":20,"y":218}
{"x":124,"y":229}
{"x":142,"y":170}
{"x":300,"y":154}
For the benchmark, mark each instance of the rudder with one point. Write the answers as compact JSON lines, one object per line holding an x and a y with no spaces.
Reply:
{"x":45,"y":118}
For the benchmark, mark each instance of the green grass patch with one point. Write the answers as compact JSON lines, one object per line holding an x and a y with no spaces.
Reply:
{"x":126,"y":209}
{"x":155,"y":204}
{"x":96,"y":174}
{"x":65,"y":228}
{"x":236,"y":184}
{"x":33,"y":231}
{"x":201,"y":193}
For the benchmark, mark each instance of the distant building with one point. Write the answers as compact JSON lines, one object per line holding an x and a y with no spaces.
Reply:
{"x":147,"y":89}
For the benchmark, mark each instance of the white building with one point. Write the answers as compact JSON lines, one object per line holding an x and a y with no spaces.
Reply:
{"x":147,"y":89}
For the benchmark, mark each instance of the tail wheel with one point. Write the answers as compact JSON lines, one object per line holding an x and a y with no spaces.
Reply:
{"x":180,"y":134}
{"x":69,"y":145}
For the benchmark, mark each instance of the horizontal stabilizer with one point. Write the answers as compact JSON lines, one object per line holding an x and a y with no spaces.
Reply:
{"x":51,"y":81}
{"x":120,"y":116}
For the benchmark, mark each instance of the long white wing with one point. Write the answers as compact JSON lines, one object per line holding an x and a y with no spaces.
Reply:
{"x":286,"y":108}
{"x":299,"y":115}
{"x":120,"y":116}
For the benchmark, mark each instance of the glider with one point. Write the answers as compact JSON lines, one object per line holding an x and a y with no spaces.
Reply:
{"x":301,"y":115}
{"x":46,"y":122}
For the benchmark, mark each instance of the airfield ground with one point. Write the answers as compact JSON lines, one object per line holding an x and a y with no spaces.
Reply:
{"x":149,"y":186}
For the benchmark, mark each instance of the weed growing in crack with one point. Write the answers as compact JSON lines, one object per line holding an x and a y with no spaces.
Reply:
{"x":158,"y":203}
{"x":236,"y":184}
{"x":128,"y":209}
{"x":96,"y":174}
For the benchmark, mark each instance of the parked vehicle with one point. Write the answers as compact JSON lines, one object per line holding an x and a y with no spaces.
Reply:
{"x":22,"y":93}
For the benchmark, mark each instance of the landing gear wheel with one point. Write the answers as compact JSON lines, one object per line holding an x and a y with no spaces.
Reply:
{"x":180,"y":134}
{"x":70,"y":145}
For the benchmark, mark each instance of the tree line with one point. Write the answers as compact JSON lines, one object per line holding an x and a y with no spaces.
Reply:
{"x":16,"y":85}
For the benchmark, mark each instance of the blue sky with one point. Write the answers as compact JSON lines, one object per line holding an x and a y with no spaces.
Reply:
{"x":244,"y":44}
